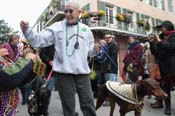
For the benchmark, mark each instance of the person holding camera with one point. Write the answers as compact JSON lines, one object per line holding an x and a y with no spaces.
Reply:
{"x":163,"y":48}
{"x":108,"y":54}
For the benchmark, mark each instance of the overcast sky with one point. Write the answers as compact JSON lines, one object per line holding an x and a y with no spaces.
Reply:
{"x":13,"y":11}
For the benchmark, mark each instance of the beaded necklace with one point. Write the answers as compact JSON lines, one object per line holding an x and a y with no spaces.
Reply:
{"x":76,"y":45}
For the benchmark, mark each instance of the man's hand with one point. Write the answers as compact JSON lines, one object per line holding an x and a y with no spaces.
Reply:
{"x":102,"y":43}
{"x":158,"y":38}
{"x":32,"y":57}
{"x":151,"y":37}
{"x":51,"y":62}
{"x":96,"y":47}
{"x":24,"y":25}
{"x":3,"y":52}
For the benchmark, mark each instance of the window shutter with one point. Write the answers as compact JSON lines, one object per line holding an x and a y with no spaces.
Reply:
{"x":155,"y":3}
{"x":152,"y":21}
{"x":157,"y":22}
{"x":142,"y":16}
{"x":86,"y":8}
{"x":102,"y":6}
{"x":170,"y":6}
{"x":118,"y":10}
{"x":137,"y":16}
{"x":63,"y":4}
{"x":119,"y":24}
{"x":125,"y":10}
{"x":163,"y":4}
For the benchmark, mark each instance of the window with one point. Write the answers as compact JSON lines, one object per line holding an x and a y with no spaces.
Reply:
{"x":146,"y":1}
{"x":170,"y":5}
{"x":130,"y":18}
{"x":109,"y":14}
{"x":155,"y":3}
{"x":118,"y":10}
{"x":158,"y":3}
{"x":150,"y":2}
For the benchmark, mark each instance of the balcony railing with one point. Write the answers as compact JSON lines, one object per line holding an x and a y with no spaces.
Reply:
{"x":59,"y":15}
{"x":112,"y":23}
{"x":52,"y":11}
{"x":56,"y":13}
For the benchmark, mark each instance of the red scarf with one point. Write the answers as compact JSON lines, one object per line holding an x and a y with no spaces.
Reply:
{"x":168,"y":33}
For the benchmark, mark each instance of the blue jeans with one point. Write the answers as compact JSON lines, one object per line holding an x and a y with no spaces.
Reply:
{"x":50,"y":84}
{"x":110,"y":77}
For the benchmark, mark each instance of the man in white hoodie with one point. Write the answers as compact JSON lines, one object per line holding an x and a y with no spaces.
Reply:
{"x":73,"y":42}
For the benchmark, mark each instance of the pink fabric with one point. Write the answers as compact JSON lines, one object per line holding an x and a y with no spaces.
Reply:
{"x":12,"y":54}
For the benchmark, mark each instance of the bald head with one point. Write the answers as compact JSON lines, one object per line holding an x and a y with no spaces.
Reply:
{"x":72,"y":12}
{"x":73,"y":3}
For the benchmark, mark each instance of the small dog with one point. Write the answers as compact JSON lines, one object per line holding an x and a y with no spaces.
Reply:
{"x":37,"y":102}
{"x":126,"y":103}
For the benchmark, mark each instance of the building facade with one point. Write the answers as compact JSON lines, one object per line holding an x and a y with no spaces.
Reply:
{"x":120,"y":17}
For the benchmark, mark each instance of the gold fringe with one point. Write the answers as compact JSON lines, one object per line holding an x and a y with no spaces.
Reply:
{"x":39,"y":68}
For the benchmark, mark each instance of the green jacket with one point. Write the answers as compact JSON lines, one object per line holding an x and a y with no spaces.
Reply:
{"x":16,"y":74}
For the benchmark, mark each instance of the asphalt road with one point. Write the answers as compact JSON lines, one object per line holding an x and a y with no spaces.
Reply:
{"x":56,"y":110}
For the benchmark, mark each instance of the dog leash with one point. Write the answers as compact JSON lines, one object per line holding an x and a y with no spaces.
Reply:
{"x":50,"y":74}
{"x":106,"y":56}
{"x":138,"y":107}
{"x":48,"y":78}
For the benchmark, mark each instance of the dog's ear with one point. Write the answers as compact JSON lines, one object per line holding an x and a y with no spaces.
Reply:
{"x":141,"y":85}
{"x":152,"y":82}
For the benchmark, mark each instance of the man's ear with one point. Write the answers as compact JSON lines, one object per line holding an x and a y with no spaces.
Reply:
{"x":79,"y":13}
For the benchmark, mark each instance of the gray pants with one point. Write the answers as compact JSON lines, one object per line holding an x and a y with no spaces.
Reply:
{"x":68,"y":84}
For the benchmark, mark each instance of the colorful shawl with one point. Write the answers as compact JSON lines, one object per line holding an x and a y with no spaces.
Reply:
{"x":8,"y":101}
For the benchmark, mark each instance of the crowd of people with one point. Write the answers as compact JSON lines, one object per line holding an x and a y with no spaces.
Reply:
{"x":65,"y":48}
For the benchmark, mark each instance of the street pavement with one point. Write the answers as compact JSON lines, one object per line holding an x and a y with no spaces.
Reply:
{"x":56,"y":110}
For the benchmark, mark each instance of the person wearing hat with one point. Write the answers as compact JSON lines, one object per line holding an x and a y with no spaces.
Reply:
{"x":163,"y":48}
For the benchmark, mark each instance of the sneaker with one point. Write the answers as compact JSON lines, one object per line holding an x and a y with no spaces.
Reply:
{"x":23,"y":103}
{"x":157,"y":104}
{"x":45,"y":114}
{"x":76,"y":113}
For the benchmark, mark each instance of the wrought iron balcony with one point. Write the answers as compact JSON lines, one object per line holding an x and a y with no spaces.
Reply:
{"x":110,"y":23}
{"x":54,"y":15}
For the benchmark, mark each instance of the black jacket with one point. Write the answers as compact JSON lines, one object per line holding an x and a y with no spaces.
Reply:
{"x":109,"y":66}
{"x":46,"y":55}
{"x":164,"y":51}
